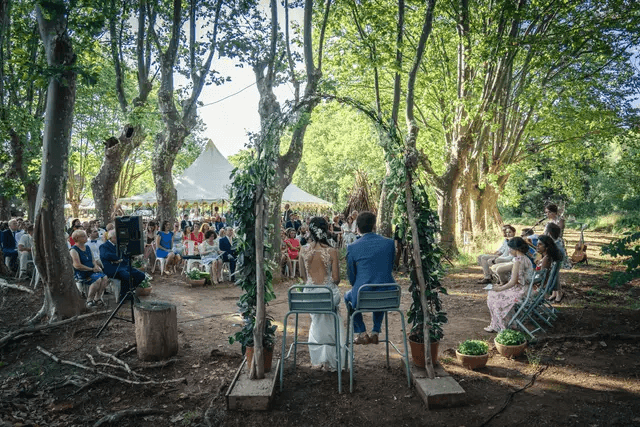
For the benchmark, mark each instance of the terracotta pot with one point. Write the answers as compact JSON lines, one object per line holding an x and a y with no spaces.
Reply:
{"x":472,"y":362}
{"x":510,"y":351}
{"x":417,"y":352}
{"x":198,"y":282}
{"x":144,"y":292}
{"x":268,"y":357}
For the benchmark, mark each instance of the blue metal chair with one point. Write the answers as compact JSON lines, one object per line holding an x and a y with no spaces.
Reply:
{"x":371,"y":298}
{"x":318,"y":301}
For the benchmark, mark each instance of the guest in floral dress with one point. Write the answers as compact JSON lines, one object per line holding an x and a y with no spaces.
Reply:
{"x":504,"y":296}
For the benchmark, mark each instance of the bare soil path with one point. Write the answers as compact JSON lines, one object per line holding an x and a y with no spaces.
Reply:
{"x":563,"y":380}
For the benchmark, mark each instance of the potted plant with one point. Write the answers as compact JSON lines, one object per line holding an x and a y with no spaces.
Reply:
{"x":473,"y":354}
{"x":195,"y":278}
{"x":245,"y":338}
{"x":144,"y":288}
{"x":510,"y":343}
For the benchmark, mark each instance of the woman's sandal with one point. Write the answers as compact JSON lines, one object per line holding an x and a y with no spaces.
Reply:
{"x":489,"y":329}
{"x":559,"y":298}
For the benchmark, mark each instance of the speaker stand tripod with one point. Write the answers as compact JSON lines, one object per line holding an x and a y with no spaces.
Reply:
{"x":130,"y":296}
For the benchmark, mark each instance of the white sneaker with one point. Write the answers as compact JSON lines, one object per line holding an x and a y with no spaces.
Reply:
{"x":488,"y":287}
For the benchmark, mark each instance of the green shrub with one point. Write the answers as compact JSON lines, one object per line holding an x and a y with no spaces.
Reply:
{"x":473,"y":348}
{"x":510,"y":337}
{"x":195,"y":274}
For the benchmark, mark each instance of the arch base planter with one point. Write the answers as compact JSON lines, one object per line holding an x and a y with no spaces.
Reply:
{"x":510,"y":351}
{"x":472,"y":362}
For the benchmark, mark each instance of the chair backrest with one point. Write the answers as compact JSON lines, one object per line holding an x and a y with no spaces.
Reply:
{"x":310,"y":299}
{"x":190,"y":247}
{"x":554,"y":276}
{"x":384,"y":296}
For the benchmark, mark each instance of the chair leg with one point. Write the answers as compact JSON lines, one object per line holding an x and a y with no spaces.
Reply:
{"x":386,"y":325}
{"x":338,"y":351}
{"x":406,"y":349}
{"x":284,"y":346}
{"x":351,"y":356}
{"x":295,"y":345}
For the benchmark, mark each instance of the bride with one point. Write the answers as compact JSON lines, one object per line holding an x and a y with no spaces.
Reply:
{"x":320,"y":267}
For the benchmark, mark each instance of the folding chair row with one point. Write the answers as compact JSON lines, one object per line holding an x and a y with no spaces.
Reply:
{"x":534,"y":306}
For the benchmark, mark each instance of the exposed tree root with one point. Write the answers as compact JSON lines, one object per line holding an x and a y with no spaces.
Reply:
{"x":96,"y":371}
{"x":112,"y":418}
{"x":115,"y":359}
{"x":160,"y":364}
{"x":124,"y":350}
{"x":4,"y":284}
{"x":30,"y":329}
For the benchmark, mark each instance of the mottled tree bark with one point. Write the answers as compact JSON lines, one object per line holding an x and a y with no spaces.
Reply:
{"x":50,"y":247}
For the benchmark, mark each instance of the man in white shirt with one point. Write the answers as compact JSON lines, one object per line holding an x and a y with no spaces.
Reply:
{"x":500,"y":256}
{"x":25,"y":249}
{"x":94,"y":243}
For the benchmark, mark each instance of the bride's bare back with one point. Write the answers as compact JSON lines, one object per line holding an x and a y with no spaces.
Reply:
{"x":319,"y":264}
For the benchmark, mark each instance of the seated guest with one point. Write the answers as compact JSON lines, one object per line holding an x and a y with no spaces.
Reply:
{"x":550,"y":253}
{"x":228,"y":250}
{"x":25,"y":248}
{"x":94,"y":244}
{"x":222,"y":224}
{"x":210,"y":254}
{"x":150,"y":238}
{"x":293,"y":246}
{"x":500,"y":256}
{"x":348,"y":235}
{"x":284,"y":255}
{"x":529,"y":236}
{"x":336,"y":229}
{"x":9,"y":244}
{"x":185,"y":222}
{"x":118,"y":268}
{"x":178,"y":246}
{"x":164,"y":245}
{"x":503,"y":297}
{"x":77,"y":226}
{"x":303,"y":233}
{"x":86,"y":270}
{"x":200,"y":236}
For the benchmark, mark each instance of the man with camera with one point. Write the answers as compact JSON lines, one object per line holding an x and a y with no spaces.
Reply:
{"x":118,"y":268}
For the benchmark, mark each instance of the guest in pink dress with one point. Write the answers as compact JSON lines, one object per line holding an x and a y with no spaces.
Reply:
{"x":503,"y":297}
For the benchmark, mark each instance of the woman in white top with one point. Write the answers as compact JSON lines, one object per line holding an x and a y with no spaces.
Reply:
{"x":210,"y":255}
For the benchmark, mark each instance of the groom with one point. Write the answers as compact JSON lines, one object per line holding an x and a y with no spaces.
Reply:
{"x":369,"y":262}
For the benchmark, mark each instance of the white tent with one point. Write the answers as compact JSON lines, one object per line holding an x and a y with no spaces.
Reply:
{"x":207,"y":181}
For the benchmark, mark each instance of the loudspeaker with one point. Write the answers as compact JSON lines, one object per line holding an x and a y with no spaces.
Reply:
{"x":129,"y":235}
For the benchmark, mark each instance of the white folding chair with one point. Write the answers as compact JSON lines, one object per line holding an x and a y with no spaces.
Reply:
{"x":162,"y":261}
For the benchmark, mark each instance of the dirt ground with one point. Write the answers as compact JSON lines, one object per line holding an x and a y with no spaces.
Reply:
{"x":563,"y":380}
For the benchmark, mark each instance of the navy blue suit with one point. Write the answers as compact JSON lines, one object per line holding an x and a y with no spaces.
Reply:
{"x":229,"y":253}
{"x":9,"y":247}
{"x":113,"y":269}
{"x":369,"y":262}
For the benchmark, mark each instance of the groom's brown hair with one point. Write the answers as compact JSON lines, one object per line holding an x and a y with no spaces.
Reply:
{"x":365,"y":222}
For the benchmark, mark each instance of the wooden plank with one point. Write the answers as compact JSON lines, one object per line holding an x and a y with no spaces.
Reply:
{"x":252,"y":395}
{"x":441,"y":392}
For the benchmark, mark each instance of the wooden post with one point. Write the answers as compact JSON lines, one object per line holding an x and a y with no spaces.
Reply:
{"x":156,"y":330}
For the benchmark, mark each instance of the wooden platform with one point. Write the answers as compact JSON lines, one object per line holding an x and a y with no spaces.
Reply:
{"x":252,"y":395}
{"x":441,"y":392}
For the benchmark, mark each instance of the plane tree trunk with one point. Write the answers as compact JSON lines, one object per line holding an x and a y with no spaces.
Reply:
{"x":50,"y":247}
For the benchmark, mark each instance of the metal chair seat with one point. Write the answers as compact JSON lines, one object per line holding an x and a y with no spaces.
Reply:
{"x":315,"y":302}
{"x":371,"y":298}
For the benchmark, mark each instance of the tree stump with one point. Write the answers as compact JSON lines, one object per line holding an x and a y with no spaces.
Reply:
{"x":156,"y":330}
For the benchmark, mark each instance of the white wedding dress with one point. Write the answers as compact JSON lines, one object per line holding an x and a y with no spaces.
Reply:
{"x":322,"y":329}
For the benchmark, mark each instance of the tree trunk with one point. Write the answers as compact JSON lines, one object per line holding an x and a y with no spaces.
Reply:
{"x":447,"y":214}
{"x":5,"y":209}
{"x":31,"y":188}
{"x":166,"y":194}
{"x":257,"y":365}
{"x":50,"y":247}
{"x":385,"y":208}
{"x":103,"y":185}
{"x":75,"y":208}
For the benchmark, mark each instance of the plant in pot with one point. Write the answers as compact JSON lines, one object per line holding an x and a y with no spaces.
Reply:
{"x":430,"y":254}
{"x":510,"y":343}
{"x":473,"y":354}
{"x":195,"y":277}
{"x":245,"y":338}
{"x":144,"y":288}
